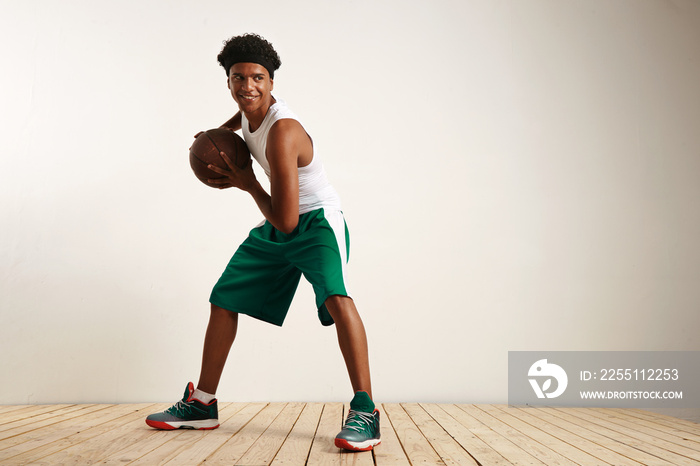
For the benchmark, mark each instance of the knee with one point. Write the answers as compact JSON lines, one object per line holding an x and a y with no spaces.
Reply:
{"x":221,"y":313}
{"x":336,"y":301}
{"x":340,"y":307}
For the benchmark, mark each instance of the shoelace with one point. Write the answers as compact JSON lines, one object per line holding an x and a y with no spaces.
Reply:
{"x":360,"y":419}
{"x":179,"y":409}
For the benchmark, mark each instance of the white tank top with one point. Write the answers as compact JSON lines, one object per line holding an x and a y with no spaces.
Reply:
{"x":315,"y":191}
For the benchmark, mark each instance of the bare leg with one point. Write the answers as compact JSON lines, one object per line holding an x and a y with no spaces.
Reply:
{"x":221,"y":332}
{"x":353,"y":341}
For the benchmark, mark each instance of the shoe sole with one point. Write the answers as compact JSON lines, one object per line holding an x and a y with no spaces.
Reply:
{"x":206,"y":424}
{"x":367,"y":445}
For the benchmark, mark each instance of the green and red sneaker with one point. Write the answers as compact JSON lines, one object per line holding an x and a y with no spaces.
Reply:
{"x":189,"y":413}
{"x":361,"y":429}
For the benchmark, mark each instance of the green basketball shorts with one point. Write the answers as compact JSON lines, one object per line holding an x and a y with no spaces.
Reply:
{"x":263,"y":274}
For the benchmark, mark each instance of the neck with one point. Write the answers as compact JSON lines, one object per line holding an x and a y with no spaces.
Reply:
{"x":256,"y":118}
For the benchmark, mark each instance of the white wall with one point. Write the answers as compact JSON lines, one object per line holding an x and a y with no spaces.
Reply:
{"x":517,"y":175}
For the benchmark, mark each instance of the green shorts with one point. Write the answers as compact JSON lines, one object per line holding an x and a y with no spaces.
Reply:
{"x":263,"y":274}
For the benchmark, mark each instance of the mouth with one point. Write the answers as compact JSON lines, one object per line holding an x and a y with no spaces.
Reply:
{"x":248,"y":97}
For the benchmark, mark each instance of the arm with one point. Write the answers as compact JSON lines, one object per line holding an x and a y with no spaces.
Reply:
{"x":234,"y":124}
{"x":285,"y":141}
{"x":281,"y":207}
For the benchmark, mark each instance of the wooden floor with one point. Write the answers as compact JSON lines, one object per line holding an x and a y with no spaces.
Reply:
{"x":302,"y":433}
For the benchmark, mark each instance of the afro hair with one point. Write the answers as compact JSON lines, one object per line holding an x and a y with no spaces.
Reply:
{"x":249,"y":48}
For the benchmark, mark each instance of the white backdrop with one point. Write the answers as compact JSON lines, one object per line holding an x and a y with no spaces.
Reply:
{"x":516,"y":175}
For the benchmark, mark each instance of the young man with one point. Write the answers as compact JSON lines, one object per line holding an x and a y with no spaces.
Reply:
{"x":304,"y":232}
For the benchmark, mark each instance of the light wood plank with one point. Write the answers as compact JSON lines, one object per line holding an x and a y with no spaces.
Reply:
{"x":151,"y":440}
{"x":49,"y":430}
{"x":55,"y":439}
{"x":415,"y":445}
{"x":164,"y":446}
{"x":502,"y":445}
{"x":93,"y":450}
{"x":231,"y":451}
{"x":20,"y":425}
{"x":232,"y":421}
{"x":510,"y":417}
{"x":8,"y":408}
{"x":667,"y":431}
{"x":268,"y":444}
{"x":476,"y":447}
{"x":389,"y":452}
{"x":160,"y":437}
{"x":634,"y":437}
{"x":28,"y":413}
{"x":445,"y":446}
{"x":25,"y":424}
{"x":323,"y":450}
{"x":296,"y":448}
{"x":302,"y":433}
{"x":682,"y":424}
{"x":603,"y":455}
{"x":536,"y":449}
{"x":596,"y":434}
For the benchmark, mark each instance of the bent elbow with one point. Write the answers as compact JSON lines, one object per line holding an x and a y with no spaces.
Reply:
{"x":288,"y":225}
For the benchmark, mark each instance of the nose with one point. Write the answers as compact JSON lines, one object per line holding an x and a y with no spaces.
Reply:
{"x":247,"y":84}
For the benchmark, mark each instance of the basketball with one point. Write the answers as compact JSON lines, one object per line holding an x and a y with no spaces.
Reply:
{"x":206,"y":151}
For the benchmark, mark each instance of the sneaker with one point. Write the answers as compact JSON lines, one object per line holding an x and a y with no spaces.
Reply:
{"x":361,"y":429}
{"x":190,"y":413}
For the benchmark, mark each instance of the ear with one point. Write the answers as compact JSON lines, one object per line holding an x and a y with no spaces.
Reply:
{"x":228,"y":83}
{"x":272,"y":84}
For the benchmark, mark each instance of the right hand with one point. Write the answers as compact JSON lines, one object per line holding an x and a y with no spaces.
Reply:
{"x":241,"y":178}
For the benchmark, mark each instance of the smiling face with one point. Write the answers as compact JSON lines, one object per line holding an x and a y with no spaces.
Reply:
{"x":251,"y":88}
